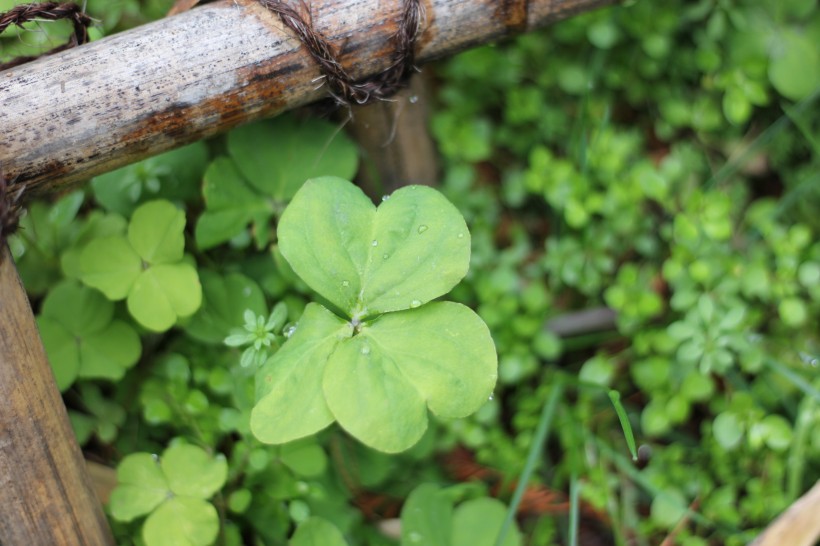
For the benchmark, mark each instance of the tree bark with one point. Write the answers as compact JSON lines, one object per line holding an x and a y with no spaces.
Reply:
{"x":91,"y":109}
{"x":46,"y":497}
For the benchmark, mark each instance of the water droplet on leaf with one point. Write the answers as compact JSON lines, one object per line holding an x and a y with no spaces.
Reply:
{"x":460,"y":235}
{"x":385,"y":197}
{"x":422,"y":228}
{"x":385,"y":256}
{"x":492,"y":395}
{"x":365,"y":349}
{"x":374,"y":243}
{"x":289,"y":331}
{"x":413,"y":99}
{"x":345,"y":283}
{"x":415,"y":303}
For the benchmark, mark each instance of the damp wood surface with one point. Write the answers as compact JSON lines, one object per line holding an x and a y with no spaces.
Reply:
{"x":45,"y":492}
{"x":70,"y":116}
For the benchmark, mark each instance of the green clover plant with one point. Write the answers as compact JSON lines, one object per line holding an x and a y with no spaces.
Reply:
{"x":147,"y":267}
{"x":173,"y":490}
{"x":259,"y":335}
{"x":248,"y":186}
{"x":82,"y":338}
{"x":385,"y":353}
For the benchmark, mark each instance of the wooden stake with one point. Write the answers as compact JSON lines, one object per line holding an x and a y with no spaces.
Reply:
{"x":45,"y":494}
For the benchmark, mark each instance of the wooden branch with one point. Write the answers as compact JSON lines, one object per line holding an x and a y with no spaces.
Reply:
{"x":799,"y":525}
{"x":71,"y":116}
{"x":45,"y":494}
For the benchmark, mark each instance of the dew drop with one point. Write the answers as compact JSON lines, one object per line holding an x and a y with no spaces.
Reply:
{"x":385,"y":197}
{"x":490,"y":398}
{"x":289,"y":331}
{"x":345,"y":283}
{"x":422,"y":228}
{"x":385,"y":256}
{"x":460,"y":235}
{"x":365,"y":349}
{"x":415,"y":303}
{"x":374,"y":243}
{"x":413,"y":99}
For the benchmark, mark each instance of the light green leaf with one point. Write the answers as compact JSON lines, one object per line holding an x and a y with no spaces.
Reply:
{"x":290,"y":404}
{"x":426,"y":517}
{"x":478,"y":521}
{"x":141,"y":487}
{"x":81,"y":310}
{"x":110,"y":265}
{"x":163,"y":293}
{"x":108,"y":353}
{"x":277,"y":156}
{"x":305,"y":457}
{"x":192,"y":472}
{"x":454,"y":369}
{"x":794,"y":67}
{"x":414,"y":248}
{"x":371,"y":398}
{"x":182,"y":521}
{"x":317,"y":532}
{"x":231,"y":204}
{"x":225,"y":300}
{"x":156,"y":232}
{"x":62,"y":351}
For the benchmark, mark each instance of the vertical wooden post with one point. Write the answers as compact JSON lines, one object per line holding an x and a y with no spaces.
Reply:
{"x":396,"y":141}
{"x":46,"y":497}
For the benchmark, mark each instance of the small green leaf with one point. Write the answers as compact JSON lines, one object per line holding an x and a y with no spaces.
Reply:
{"x":156,"y":232}
{"x":455,"y":369}
{"x":141,"y":487}
{"x":317,"y":532}
{"x":231,"y":204}
{"x":62,"y":350}
{"x":192,"y":472}
{"x":182,"y":521}
{"x":110,"y":265}
{"x":413,"y":249}
{"x":668,"y":507}
{"x":79,"y":309}
{"x":277,"y":156}
{"x":478,"y":521}
{"x":108,"y":353}
{"x":163,"y":293}
{"x":290,"y":403}
{"x":370,"y":397}
{"x":305,"y":457}
{"x":794,"y":67}
{"x":426,"y":517}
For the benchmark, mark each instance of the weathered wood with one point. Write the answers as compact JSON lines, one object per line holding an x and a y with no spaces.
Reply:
{"x":799,"y":525}
{"x":46,"y":497}
{"x":395,"y":141}
{"x":68,"y":117}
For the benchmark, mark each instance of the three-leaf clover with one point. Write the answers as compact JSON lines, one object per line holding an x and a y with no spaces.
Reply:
{"x":386,"y":355}
{"x":173,"y":490}
{"x":81,"y":336}
{"x":146,"y":267}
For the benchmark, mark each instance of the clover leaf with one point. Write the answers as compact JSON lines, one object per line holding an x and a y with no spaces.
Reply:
{"x":225,"y":300}
{"x":173,"y":491}
{"x":146,"y":267}
{"x":389,"y":355}
{"x":268,"y":162}
{"x":81,"y":337}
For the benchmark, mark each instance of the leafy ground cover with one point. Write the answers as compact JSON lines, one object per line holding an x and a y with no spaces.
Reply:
{"x":641,"y":202}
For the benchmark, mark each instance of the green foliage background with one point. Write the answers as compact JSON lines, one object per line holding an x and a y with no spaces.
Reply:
{"x":659,"y":160}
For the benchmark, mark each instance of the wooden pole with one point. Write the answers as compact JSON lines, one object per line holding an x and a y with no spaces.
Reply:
{"x":46,"y":497}
{"x":91,"y":109}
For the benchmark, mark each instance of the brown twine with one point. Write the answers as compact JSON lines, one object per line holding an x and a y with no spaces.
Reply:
{"x":49,"y":11}
{"x":343,"y":87}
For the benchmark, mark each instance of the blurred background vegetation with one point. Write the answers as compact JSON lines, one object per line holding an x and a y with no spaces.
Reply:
{"x":642,"y":184}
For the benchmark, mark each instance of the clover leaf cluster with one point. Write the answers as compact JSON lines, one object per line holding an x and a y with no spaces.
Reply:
{"x":173,"y":490}
{"x":378,"y":352}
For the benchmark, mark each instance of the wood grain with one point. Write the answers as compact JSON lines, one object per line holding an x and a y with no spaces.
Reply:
{"x":46,"y":497}
{"x":89,"y":110}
